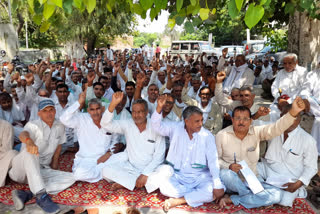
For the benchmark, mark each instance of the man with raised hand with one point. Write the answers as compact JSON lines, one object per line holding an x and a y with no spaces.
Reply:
{"x":192,"y":176}
{"x":241,"y":142}
{"x":144,"y":152}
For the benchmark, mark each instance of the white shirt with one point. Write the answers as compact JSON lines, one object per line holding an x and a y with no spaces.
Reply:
{"x":108,"y":94}
{"x":266,"y":73}
{"x":296,"y":158}
{"x":289,"y":82}
{"x":93,"y":142}
{"x":47,"y":139}
{"x":311,"y":87}
{"x":145,"y":149}
{"x":187,"y":152}
{"x":110,"y":54}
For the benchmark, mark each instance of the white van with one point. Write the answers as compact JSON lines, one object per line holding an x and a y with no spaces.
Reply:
{"x":190,"y":47}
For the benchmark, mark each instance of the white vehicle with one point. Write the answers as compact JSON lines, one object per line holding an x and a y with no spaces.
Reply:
{"x":191,"y":48}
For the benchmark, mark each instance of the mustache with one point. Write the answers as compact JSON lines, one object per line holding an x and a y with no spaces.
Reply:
{"x":240,"y":125}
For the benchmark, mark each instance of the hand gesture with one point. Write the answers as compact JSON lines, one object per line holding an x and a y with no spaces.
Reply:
{"x":82,"y":98}
{"x":221,"y":76}
{"x":32,"y":68}
{"x":141,"y":77}
{"x":99,"y":58}
{"x":117,"y":67}
{"x":29,"y":78}
{"x":10,"y":67}
{"x":161,"y":101}
{"x":298,"y":105}
{"x":117,"y":98}
{"x":91,"y":76}
{"x":188,"y":78}
{"x":31,"y":147}
{"x":263,"y":111}
{"x":224,"y":52}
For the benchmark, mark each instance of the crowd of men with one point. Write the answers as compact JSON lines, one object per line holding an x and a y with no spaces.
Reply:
{"x":178,"y":124}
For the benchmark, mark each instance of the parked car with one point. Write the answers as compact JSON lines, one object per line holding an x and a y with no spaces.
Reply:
{"x":190,"y":47}
{"x":268,"y":52}
{"x":233,"y":50}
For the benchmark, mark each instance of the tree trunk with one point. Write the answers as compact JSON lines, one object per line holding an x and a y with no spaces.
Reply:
{"x":20,"y":24}
{"x":91,"y":44}
{"x":304,"y":39}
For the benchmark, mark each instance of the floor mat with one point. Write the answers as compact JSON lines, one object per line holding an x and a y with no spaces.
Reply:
{"x":99,"y":194}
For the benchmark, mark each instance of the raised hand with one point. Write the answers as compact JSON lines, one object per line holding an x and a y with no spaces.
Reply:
{"x":32,"y":68}
{"x":187,"y":78}
{"x":298,"y":105}
{"x":130,"y":64}
{"x":224,"y":52}
{"x":221,"y":76}
{"x":116,"y":98}
{"x":90,"y":77}
{"x":99,"y":58}
{"x":161,"y":101}
{"x":10,"y":67}
{"x":141,"y":77}
{"x":15,"y":76}
{"x":263,"y":111}
{"x":29,"y":78}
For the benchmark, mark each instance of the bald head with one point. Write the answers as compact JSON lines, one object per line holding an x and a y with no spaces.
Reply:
{"x":43,"y":93}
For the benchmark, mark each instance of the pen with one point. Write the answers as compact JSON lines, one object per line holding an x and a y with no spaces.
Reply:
{"x":235,"y":159}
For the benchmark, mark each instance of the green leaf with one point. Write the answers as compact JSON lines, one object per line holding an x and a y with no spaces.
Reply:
{"x":144,"y":15}
{"x":37,"y":19}
{"x":188,"y":27}
{"x":306,"y":4}
{"x":239,"y":4}
{"x":42,"y":1}
{"x":57,"y":2}
{"x":253,"y":15}
{"x":204,"y":13}
{"x":162,"y":4}
{"x":44,"y":26}
{"x":179,"y":4}
{"x":48,"y":9}
{"x":196,"y":10}
{"x":31,"y":5}
{"x":146,"y":4}
{"x":289,"y":8}
{"x":14,"y":5}
{"x":109,"y":8}
{"x":171,"y":23}
{"x":67,"y":6}
{"x":153,"y":13}
{"x":214,"y":10}
{"x":232,"y":8}
{"x":180,"y":20}
{"x":91,"y":4}
{"x":77,"y":3}
{"x":262,"y":2}
{"x":193,"y":2}
{"x":137,"y":9}
{"x":196,"y":21}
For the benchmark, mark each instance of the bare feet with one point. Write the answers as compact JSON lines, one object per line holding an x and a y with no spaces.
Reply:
{"x":173,"y":202}
{"x":116,"y":186}
{"x":224,"y":201}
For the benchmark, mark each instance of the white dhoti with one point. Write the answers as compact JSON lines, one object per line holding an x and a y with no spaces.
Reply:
{"x":195,"y":193}
{"x":118,"y":169}
{"x":26,"y":169}
{"x":87,"y":169}
{"x":287,"y":197}
{"x":315,"y":132}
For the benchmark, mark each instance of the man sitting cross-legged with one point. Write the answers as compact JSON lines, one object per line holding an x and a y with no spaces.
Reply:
{"x":144,"y":152}
{"x":291,"y":157}
{"x":193,"y":174}
{"x":241,"y":142}
{"x":94,"y":141}
{"x":37,"y":161}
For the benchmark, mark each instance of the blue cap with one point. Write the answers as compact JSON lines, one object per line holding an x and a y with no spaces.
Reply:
{"x":45,"y":103}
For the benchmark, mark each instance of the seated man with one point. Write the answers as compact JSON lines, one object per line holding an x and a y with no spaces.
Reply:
{"x":144,"y":152}
{"x":37,"y":161}
{"x":94,"y":141}
{"x":194,"y":170}
{"x":241,"y":142}
{"x":6,"y":151}
{"x":212,"y":117}
{"x":292,"y":157}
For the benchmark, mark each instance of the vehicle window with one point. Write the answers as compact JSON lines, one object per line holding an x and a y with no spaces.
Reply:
{"x":195,"y":46}
{"x":257,"y":47}
{"x":175,"y":46}
{"x":184,"y":46}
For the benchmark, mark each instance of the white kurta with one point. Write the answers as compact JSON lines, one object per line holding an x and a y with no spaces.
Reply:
{"x":195,"y":162}
{"x":144,"y":153}
{"x":290,"y":84}
{"x":35,"y":169}
{"x":311,"y":91}
{"x":93,"y":143}
{"x":294,"y":159}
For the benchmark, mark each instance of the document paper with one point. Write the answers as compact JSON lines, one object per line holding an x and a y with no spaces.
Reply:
{"x":253,"y":182}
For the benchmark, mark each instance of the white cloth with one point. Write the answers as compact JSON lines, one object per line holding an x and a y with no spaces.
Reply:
{"x":239,"y":76}
{"x":294,"y":159}
{"x":93,"y":143}
{"x":108,"y":94}
{"x":195,"y":162}
{"x":143,"y":154}
{"x":266,"y":73}
{"x":110,"y":54}
{"x":151,"y":106}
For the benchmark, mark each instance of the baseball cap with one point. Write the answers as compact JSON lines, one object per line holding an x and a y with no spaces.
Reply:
{"x":45,"y":103}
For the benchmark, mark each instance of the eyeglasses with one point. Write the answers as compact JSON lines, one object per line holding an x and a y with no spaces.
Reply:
{"x":245,"y":119}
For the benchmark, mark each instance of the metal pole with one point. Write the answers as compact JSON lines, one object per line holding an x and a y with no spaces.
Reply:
{"x":9,"y":5}
{"x":27,"y":42}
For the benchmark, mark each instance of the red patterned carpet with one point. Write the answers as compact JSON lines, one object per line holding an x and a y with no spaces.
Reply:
{"x":99,"y":194}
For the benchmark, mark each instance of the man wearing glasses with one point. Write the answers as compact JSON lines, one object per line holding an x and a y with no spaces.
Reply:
{"x":241,"y":142}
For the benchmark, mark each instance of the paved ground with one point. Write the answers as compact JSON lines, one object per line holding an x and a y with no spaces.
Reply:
{"x":34,"y":209}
